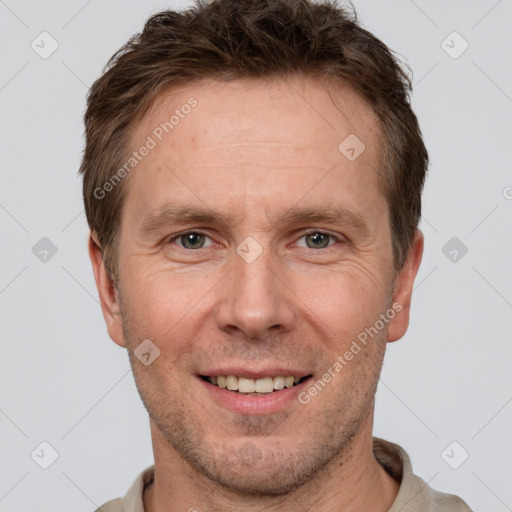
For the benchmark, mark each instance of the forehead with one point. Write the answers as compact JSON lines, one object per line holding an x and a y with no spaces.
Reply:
{"x":271,"y":139}
{"x":240,"y":108}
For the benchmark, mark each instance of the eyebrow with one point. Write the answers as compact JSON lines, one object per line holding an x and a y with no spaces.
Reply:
{"x":171,"y":214}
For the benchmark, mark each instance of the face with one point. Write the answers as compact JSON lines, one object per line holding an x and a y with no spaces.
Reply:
{"x":252,"y":247}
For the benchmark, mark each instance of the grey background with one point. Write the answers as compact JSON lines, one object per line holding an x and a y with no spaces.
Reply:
{"x":64,"y":382}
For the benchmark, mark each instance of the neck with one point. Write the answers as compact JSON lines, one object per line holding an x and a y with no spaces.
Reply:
{"x":353,"y":481}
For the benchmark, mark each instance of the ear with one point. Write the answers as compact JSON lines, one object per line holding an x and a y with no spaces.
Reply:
{"x":107,"y":291}
{"x":403,"y":285}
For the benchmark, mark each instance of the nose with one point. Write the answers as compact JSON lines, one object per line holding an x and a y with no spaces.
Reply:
{"x":255,"y":299}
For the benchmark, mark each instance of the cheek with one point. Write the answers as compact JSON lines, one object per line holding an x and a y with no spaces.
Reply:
{"x":162,"y":306}
{"x":346,"y":301}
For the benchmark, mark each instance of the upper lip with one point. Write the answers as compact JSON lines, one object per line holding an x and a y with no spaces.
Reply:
{"x":254,"y":374}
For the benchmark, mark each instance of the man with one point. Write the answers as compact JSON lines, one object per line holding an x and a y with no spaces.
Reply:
{"x":252,"y":181}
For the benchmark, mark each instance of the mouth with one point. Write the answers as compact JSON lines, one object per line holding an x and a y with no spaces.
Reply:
{"x":264,"y":386}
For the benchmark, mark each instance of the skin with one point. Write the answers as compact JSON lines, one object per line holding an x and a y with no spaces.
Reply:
{"x":254,"y":150}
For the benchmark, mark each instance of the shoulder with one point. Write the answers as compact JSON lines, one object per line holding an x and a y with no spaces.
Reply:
{"x":415,"y":495}
{"x":133,"y":501}
{"x":450,"y":502}
{"x":111,"y":506}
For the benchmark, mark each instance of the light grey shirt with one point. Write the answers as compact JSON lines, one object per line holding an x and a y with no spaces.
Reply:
{"x":414,"y":494}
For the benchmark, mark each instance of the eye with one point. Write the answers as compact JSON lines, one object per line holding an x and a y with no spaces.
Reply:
{"x":318,"y":240}
{"x":196,"y":240}
{"x":191,"y":240}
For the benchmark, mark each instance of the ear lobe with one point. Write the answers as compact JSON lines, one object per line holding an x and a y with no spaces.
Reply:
{"x":107,"y":291}
{"x":403,"y":287}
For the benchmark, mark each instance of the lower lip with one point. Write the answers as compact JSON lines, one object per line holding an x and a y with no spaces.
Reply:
{"x":247,"y":404}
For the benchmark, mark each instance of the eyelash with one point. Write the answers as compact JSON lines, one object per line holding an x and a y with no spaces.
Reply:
{"x":307,"y":233}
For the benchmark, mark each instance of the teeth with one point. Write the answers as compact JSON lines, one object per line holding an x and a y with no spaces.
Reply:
{"x":263,"y":385}
{"x":278,"y":382}
{"x":232,"y":383}
{"x":245,"y":385}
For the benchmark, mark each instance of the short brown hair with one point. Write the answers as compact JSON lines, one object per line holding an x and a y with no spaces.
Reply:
{"x":255,"y":39}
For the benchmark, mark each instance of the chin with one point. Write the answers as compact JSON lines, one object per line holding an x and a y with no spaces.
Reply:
{"x":258,"y":486}
{"x":260,"y":480}
{"x":252,"y":467}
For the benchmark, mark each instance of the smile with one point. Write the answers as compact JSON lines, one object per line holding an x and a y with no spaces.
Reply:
{"x":253,"y":387}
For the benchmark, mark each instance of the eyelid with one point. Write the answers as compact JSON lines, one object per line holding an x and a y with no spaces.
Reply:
{"x":177,"y":236}
{"x":310,"y":231}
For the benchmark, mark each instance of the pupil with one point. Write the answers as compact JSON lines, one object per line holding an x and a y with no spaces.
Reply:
{"x":319,"y":240}
{"x":192,"y":240}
